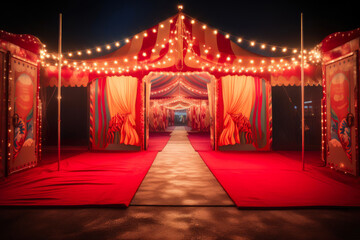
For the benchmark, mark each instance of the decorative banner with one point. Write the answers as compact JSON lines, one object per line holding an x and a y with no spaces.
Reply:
{"x":341,"y":114}
{"x":22,"y":115}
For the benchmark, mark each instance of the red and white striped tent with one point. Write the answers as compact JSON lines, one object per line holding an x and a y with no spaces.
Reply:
{"x":181,"y":44}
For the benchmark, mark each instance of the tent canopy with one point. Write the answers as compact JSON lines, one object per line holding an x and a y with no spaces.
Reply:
{"x":181,"y":44}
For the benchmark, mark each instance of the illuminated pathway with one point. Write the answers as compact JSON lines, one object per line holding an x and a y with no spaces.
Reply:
{"x":179,"y":176}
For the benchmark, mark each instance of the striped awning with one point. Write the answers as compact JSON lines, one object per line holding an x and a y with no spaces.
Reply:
{"x":180,"y":44}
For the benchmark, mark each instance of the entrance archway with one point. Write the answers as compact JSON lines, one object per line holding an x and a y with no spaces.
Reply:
{"x":190,"y":92}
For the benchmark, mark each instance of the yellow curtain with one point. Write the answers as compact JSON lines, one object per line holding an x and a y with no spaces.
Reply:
{"x":238,"y":97}
{"x":121,"y":95}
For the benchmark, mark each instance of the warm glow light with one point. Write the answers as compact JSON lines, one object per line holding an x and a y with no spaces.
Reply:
{"x":193,"y":21}
{"x":204,"y":26}
{"x":108,"y":47}
{"x":117,"y":44}
{"x":239,"y":40}
{"x":98,"y":49}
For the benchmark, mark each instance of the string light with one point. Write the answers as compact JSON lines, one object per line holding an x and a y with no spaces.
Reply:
{"x":313,"y":56}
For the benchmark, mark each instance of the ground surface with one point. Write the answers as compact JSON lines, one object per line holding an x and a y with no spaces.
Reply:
{"x":178,"y":199}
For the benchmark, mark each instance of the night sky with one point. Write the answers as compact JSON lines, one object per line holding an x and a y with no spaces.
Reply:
{"x":95,"y":23}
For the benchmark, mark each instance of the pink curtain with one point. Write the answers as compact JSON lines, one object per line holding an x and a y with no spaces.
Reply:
{"x":238,"y":97}
{"x":121,"y":95}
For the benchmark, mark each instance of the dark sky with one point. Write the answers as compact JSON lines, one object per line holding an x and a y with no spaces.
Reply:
{"x":87,"y":24}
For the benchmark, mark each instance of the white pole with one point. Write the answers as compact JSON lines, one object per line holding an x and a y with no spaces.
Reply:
{"x":302,"y":96}
{"x":59,"y":87}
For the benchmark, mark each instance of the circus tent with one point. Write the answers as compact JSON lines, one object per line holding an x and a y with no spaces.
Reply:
{"x":176,"y":62}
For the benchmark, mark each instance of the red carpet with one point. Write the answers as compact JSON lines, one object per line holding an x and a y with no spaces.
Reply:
{"x":272,"y":179}
{"x":85,"y":179}
{"x":158,"y":140}
{"x":200,"y":141}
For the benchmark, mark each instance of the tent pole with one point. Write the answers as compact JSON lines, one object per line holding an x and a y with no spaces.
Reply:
{"x":59,"y":87}
{"x":302,"y":97}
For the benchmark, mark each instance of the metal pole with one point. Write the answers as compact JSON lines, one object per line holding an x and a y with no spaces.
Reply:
{"x":59,"y":87}
{"x":302,"y":97}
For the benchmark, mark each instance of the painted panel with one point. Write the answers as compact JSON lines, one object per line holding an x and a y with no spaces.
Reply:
{"x":341,"y":118}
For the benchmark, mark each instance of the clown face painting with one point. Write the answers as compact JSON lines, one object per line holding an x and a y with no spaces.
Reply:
{"x":23,"y":88}
{"x":340,"y":86}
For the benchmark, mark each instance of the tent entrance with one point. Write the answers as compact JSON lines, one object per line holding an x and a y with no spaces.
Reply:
{"x":179,"y":99}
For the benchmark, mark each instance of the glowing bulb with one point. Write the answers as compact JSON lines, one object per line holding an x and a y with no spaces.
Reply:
{"x":215,"y":31}
{"x":88,"y":51}
{"x":252,"y":43}
{"x":204,"y":27}
{"x":227,"y":36}
{"x":273,"y":49}
{"x":239,"y":40}
{"x":79,"y":53}
{"x":108,"y":47}
{"x":127,"y":40}
{"x":98,"y":49}
{"x":263,"y":46}
{"x":193,"y":21}
{"x":70,"y":54}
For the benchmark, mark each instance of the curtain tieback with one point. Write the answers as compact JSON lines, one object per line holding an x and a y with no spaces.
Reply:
{"x":116,"y":124}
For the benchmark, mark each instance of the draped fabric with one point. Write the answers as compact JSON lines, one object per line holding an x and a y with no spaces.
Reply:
{"x":238,"y":97}
{"x":121,"y":93}
{"x":158,"y":117}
